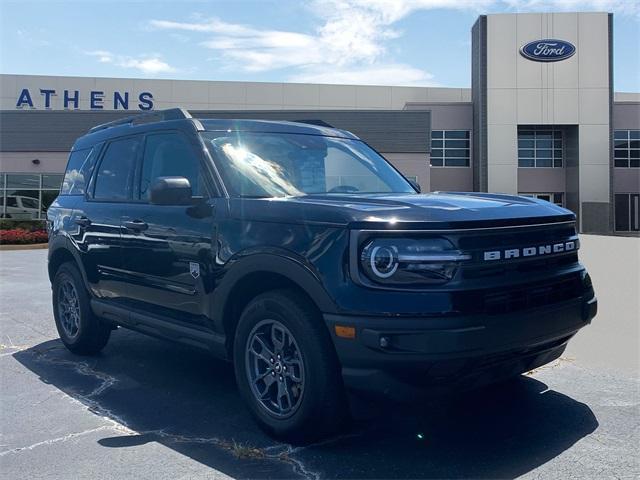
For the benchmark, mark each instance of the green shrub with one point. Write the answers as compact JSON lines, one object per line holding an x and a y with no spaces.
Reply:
{"x":29,"y":225}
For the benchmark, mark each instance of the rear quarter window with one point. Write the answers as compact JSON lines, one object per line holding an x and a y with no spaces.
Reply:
{"x":78,"y":173}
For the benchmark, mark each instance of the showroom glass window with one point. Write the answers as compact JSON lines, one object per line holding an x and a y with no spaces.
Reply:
{"x":557,"y":198}
{"x":627,"y":212}
{"x":540,"y":147}
{"x":26,"y":196}
{"x":626,"y":153}
{"x":450,"y":148}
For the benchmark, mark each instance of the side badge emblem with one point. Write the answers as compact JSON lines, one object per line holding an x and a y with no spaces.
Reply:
{"x":194,"y":268}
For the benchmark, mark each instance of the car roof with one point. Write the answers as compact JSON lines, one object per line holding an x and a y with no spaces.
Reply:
{"x":178,"y":119}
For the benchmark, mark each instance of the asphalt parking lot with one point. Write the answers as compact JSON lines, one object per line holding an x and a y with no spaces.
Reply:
{"x":149,"y":409}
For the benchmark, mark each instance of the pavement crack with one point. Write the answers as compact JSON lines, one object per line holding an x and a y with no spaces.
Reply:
{"x":286,"y":452}
{"x":89,"y":399}
{"x":11,"y":349}
{"x":298,"y":465}
{"x":51,"y":441}
{"x":280,"y":453}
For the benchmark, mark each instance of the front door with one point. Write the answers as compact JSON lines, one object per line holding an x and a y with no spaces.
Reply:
{"x":168,"y":250}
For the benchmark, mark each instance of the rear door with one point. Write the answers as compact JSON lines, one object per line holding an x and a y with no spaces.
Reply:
{"x":168,"y":250}
{"x":98,"y":217}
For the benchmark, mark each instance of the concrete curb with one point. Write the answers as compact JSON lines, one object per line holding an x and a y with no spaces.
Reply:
{"x":34,"y":246}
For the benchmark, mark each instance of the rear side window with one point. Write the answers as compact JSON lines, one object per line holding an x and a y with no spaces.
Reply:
{"x":79,"y":168}
{"x":116,"y":171}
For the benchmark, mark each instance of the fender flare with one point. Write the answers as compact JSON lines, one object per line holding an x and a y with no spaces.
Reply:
{"x":59,"y":243}
{"x":293,"y":269}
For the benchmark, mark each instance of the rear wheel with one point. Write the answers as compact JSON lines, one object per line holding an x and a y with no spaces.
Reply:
{"x":79,"y":329}
{"x":286,"y":368}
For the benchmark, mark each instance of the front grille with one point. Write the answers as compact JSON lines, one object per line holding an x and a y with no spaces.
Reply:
{"x":533,"y":265}
{"x":514,"y":299}
{"x":520,"y":236}
{"x":478,"y":243}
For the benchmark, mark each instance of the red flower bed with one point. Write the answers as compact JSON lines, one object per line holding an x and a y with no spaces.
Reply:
{"x":19,"y":236}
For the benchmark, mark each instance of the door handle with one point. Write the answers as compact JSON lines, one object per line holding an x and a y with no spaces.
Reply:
{"x":82,"y":221}
{"x":136,"y":225}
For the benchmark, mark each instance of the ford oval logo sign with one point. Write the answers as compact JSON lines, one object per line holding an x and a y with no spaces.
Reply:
{"x":549,"y":50}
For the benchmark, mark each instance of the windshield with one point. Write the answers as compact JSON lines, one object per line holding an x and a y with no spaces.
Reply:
{"x":278,"y":165}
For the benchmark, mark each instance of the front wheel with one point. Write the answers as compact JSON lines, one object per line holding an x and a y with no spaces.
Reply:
{"x":286,"y":368}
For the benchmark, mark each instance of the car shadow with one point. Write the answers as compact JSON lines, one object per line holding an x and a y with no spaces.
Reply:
{"x":188,"y":401}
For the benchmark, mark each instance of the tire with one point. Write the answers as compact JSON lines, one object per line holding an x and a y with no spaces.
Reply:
{"x":320,"y":407}
{"x":80,"y":330}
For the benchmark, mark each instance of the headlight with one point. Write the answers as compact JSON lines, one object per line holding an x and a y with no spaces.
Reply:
{"x":382,"y":259}
{"x":410,"y":262}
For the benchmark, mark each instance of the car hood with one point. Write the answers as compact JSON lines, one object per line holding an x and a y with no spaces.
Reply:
{"x":433,"y":210}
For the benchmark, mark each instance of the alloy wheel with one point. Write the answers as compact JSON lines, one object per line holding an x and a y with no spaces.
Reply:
{"x":275,"y":368}
{"x":69,"y":308}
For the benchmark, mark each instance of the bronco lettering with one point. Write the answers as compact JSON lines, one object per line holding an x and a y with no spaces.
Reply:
{"x":530,"y":251}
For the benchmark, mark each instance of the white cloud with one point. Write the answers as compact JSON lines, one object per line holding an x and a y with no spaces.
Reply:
{"x":350,"y":43}
{"x":378,"y":74}
{"x":390,"y":11}
{"x":103,"y":56}
{"x":148,"y":64}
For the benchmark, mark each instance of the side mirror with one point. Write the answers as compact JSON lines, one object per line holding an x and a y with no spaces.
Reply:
{"x":415,"y":185}
{"x":170,"y":191}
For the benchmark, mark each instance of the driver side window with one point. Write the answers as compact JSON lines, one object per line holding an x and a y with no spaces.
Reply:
{"x":169,"y":155}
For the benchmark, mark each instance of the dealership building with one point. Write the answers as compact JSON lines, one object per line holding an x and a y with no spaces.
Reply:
{"x":541,"y":118}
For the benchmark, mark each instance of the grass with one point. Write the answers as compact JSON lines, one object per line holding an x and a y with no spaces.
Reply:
{"x":244,"y":451}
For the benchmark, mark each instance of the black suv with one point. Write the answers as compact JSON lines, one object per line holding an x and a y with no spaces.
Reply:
{"x":301,"y":255}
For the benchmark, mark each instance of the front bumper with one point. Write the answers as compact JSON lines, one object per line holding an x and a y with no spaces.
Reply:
{"x":399,"y":357}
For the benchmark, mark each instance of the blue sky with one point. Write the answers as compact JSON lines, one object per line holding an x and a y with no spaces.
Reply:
{"x":380,"y":42}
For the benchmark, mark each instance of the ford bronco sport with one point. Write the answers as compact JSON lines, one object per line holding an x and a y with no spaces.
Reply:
{"x":301,"y":255}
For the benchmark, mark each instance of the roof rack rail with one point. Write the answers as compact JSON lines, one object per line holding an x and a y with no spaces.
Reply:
{"x":150,"y":117}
